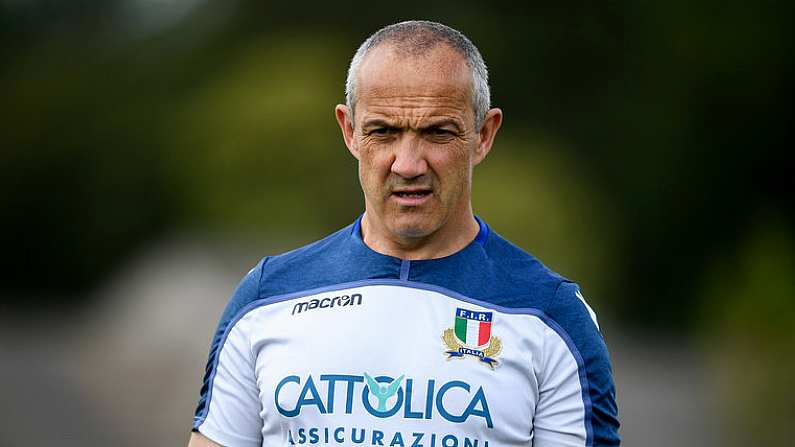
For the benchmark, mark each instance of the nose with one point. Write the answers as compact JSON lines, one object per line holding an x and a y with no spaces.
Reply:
{"x":409,"y":161}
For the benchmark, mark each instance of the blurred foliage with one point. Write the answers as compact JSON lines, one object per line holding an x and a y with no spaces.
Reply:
{"x":749,"y":312}
{"x":532,"y":192}
{"x":640,"y":137}
{"x":255,"y":148}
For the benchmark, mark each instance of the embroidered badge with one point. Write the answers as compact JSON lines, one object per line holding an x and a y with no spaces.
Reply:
{"x":471,"y":335}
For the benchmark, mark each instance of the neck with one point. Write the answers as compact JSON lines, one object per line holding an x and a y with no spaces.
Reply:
{"x":447,"y":240}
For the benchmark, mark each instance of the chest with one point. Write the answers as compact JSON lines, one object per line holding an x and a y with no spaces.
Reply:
{"x":395,"y":365}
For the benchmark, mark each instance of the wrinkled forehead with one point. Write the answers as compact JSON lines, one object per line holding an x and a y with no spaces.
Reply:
{"x":440,"y":74}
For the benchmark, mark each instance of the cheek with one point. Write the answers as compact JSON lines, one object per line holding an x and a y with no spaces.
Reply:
{"x":375,"y":159}
{"x":372,"y":170}
{"x":452,"y":168}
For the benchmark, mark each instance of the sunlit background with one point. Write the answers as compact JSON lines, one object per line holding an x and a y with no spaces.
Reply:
{"x":151,"y":152}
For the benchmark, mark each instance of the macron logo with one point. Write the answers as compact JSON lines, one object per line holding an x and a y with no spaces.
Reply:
{"x":338,"y":301}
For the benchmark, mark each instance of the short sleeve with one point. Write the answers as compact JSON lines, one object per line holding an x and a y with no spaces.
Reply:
{"x":577,"y":401}
{"x":229,"y":406}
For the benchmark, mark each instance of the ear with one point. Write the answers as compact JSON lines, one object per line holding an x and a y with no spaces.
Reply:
{"x":345,"y":120}
{"x":488,"y":130}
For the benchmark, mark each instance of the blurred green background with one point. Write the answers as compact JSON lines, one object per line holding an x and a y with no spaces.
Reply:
{"x":643,"y":154}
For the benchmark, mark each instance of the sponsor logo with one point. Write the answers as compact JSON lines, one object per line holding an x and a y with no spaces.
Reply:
{"x":382,"y":392}
{"x":471,"y":336}
{"x":324,"y":303}
{"x":392,"y":397}
{"x":364,"y":436}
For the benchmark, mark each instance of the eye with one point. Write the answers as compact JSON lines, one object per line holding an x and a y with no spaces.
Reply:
{"x":381,"y":131}
{"x":440,"y":133}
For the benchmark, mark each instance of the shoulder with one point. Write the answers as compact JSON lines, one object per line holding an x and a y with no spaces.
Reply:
{"x":531,"y":284}
{"x":316,"y":256}
{"x":300,"y":269}
{"x":522,"y":282}
{"x":520,"y":279}
{"x":561,"y":305}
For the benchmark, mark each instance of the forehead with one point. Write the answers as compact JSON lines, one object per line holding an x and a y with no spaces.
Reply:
{"x":437,"y":79}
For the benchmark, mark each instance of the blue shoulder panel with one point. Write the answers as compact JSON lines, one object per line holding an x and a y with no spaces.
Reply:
{"x":572,"y":315}
{"x":339,"y":258}
{"x":246,"y":292}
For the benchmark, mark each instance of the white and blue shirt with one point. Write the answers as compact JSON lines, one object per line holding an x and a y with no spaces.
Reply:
{"x":334,"y":344}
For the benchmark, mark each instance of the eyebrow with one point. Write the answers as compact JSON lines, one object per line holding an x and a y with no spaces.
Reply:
{"x":377,"y":122}
{"x":441,"y":123}
{"x":380,"y":122}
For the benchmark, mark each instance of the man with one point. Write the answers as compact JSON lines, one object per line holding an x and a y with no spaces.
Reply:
{"x":417,"y":325}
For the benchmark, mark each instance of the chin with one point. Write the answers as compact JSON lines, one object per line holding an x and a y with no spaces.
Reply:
{"x":414,"y":226}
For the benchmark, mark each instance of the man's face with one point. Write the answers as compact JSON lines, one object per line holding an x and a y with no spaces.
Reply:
{"x":415,"y":138}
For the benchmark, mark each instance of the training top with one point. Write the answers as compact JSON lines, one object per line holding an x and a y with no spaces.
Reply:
{"x":334,"y":344}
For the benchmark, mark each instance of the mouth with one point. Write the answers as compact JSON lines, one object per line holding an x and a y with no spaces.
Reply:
{"x":412,"y":193}
{"x":412,"y":197}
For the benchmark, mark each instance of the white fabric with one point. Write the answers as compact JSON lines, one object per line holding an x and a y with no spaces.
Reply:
{"x":535,"y":391}
{"x":473,"y":329}
{"x":590,"y":311}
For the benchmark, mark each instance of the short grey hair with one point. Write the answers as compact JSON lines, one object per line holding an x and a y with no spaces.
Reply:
{"x":417,"y":37}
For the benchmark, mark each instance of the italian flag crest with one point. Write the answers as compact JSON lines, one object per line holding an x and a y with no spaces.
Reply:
{"x":473,"y":329}
{"x":471,"y":336}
